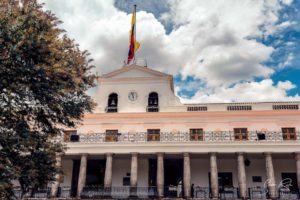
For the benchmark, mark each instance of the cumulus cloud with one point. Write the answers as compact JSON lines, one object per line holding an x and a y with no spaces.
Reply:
{"x":264,"y":90}
{"x":213,"y":41}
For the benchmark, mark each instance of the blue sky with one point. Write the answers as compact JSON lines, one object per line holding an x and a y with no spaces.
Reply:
{"x":218,"y":51}
{"x":286,"y":43}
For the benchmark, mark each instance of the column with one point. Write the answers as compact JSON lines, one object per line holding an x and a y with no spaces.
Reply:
{"x":297,"y":158}
{"x":242,"y":176}
{"x":270,"y":176}
{"x":134,"y":170}
{"x":186,"y":175}
{"x":55,"y":185}
{"x":160,"y":174}
{"x":108,"y":171}
{"x":82,"y":174}
{"x":214,"y":176}
{"x":133,"y":174}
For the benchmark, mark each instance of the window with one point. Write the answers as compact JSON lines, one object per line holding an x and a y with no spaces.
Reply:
{"x":240,"y":133}
{"x":237,"y":108}
{"x":196,"y":108}
{"x":153,"y":102}
{"x":285,"y":107}
{"x":71,"y":135}
{"x":112,"y":103}
{"x":111,"y":135}
{"x":126,"y":181}
{"x":256,"y":179}
{"x":153,"y":134}
{"x":289,"y":133}
{"x":196,"y":134}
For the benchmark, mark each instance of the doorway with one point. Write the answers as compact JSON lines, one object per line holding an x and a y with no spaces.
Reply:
{"x":289,"y":180}
{"x":224,"y":180}
{"x":173,"y":173}
{"x":94,"y":174}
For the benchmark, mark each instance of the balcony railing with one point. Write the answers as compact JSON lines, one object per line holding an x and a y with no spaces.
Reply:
{"x":152,"y":109}
{"x":111,"y":109}
{"x":126,"y":192}
{"x":165,"y":137}
{"x":123,"y":192}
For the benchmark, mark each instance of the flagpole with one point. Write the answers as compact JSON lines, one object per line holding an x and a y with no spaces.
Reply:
{"x":134,"y":30}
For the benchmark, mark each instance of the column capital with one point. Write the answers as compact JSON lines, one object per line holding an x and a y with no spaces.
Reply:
{"x":240,"y":153}
{"x":109,"y":154}
{"x":186,"y":154}
{"x":134,"y":153}
{"x":268,"y":153}
{"x":160,"y":154}
{"x":84,"y":154}
{"x":60,"y":154}
{"x":213,"y":153}
{"x":297,"y":155}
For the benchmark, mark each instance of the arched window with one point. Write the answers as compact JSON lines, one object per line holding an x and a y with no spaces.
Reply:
{"x":112,"y":103}
{"x":153,"y":102}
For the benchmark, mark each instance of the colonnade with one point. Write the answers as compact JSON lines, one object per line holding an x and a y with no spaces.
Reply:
{"x":271,"y":183}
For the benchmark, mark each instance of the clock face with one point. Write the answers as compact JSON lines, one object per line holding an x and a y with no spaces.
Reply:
{"x":132,"y":96}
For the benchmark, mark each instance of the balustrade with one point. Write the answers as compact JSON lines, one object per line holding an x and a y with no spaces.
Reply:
{"x":165,"y":137}
{"x":123,"y":192}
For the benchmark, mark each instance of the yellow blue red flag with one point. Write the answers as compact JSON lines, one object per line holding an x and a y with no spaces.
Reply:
{"x":133,"y":45}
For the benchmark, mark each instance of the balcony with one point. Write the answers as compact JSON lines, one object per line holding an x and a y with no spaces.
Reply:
{"x":111,"y":109}
{"x":152,"y":109}
{"x":168,"y":137}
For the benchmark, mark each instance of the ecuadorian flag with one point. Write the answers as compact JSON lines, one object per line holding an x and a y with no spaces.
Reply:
{"x":134,"y":45}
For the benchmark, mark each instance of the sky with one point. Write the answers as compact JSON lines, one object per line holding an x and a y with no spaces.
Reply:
{"x":217,"y":50}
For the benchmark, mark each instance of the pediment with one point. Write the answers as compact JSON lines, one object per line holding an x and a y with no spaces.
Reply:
{"x":134,"y":71}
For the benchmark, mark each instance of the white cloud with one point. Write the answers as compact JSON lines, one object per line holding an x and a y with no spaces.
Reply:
{"x":287,"y":2}
{"x":211,"y":40}
{"x":287,"y":62}
{"x":264,"y":90}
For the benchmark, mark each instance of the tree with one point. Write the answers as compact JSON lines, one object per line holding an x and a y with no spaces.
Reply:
{"x":43,"y":80}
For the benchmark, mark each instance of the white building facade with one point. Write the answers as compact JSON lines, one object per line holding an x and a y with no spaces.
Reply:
{"x":142,"y":142}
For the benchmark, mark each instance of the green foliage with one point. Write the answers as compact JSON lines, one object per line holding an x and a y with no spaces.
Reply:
{"x":43,"y":79}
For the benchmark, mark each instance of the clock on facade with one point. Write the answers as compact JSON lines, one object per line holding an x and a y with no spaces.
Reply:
{"x":132,"y":96}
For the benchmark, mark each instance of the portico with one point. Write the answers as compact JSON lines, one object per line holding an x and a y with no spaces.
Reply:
{"x":204,"y":171}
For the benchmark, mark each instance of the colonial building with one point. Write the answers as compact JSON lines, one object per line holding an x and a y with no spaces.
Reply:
{"x":142,"y":142}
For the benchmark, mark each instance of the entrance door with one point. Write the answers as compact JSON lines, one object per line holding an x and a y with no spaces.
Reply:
{"x":289,"y":180}
{"x":75,"y":174}
{"x":152,"y":172}
{"x":225,"y":180}
{"x":95,"y":172}
{"x":173,"y":170}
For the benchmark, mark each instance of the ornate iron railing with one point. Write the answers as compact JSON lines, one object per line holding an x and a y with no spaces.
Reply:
{"x":228,"y":193}
{"x":111,"y":109}
{"x":126,"y":192}
{"x":257,"y":193}
{"x":286,"y":193}
{"x":94,"y":192}
{"x":165,"y":137}
{"x":201,"y":192}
